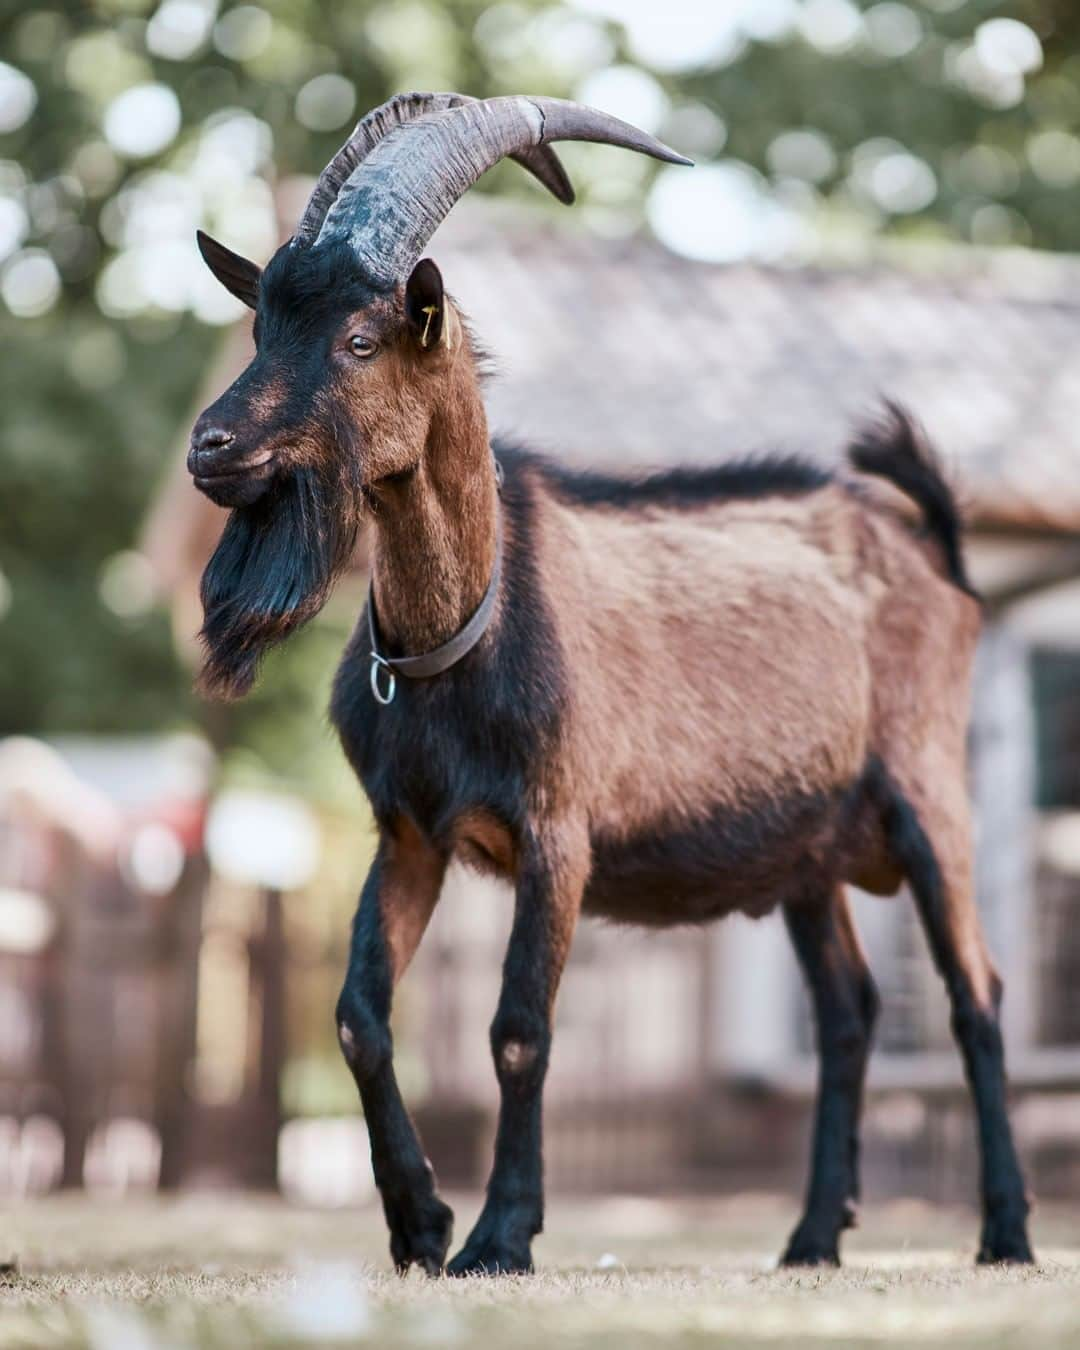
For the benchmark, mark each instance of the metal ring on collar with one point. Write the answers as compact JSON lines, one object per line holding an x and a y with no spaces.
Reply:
{"x":381,"y":663}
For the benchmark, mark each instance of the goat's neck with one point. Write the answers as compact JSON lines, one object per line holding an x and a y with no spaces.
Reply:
{"x":435,"y":534}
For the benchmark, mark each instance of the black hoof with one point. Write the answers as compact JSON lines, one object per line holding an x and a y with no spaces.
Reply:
{"x":498,"y":1245}
{"x":419,"y":1233}
{"x":808,"y":1247}
{"x":1004,"y":1241}
{"x":491,"y":1259}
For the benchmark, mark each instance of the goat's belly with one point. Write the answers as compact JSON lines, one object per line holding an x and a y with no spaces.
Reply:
{"x":749,"y":859}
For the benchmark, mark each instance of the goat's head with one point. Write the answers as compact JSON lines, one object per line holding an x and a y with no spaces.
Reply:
{"x":344,"y":381}
{"x":355,"y":344}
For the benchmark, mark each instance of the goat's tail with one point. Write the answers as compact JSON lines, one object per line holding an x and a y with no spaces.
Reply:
{"x":894,"y":447}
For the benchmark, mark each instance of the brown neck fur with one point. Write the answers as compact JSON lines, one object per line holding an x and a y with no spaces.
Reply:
{"x":434,"y":533}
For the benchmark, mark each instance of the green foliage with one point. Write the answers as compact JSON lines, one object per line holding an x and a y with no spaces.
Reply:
{"x":999,"y":179}
{"x":89,"y":412}
{"x":95,"y":403}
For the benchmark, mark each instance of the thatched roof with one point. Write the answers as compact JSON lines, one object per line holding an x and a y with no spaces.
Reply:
{"x":620,"y":353}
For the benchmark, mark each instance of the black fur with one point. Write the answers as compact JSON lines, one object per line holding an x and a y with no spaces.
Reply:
{"x":894,"y":448}
{"x":304,"y":291}
{"x":238,"y":275}
{"x":778,"y":475}
{"x":976,"y":1028}
{"x":513,"y":1212}
{"x":273,"y":569}
{"x":475,"y":736}
{"x":279,"y":556}
{"x":420,"y":1223}
{"x":694,"y":872}
{"x":845,"y":1008}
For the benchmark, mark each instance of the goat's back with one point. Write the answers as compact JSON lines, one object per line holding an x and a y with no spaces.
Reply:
{"x":742,"y":654}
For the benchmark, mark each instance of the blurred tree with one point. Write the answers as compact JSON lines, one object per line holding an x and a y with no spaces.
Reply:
{"x":125,"y":123}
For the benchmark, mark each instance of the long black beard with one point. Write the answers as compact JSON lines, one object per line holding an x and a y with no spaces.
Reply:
{"x":272,"y":571}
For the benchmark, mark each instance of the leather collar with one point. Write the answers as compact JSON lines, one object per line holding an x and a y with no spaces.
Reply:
{"x":442,"y":658}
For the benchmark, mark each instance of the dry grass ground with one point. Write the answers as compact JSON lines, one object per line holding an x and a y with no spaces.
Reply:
{"x":234,"y":1273}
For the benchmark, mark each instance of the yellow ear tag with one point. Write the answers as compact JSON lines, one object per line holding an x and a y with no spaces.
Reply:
{"x":449,"y":329}
{"x":430,"y":311}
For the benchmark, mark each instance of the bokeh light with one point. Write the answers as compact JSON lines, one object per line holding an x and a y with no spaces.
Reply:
{"x":155,"y":858}
{"x":26,"y":920}
{"x":30,"y":283}
{"x":179,"y":29}
{"x":1054,"y":156}
{"x":196,"y":91}
{"x":893,"y":30}
{"x":629,"y":93}
{"x":679,"y":35}
{"x":721,"y":213}
{"x":18,"y":98}
{"x":325,"y":103}
{"x":264,"y":839}
{"x":802,"y":153}
{"x":13,"y":225}
{"x":1008,"y":47}
{"x":142,"y":120}
{"x":831,"y":26}
{"x":891,"y":178}
{"x":127,"y":584}
{"x":243,"y":33}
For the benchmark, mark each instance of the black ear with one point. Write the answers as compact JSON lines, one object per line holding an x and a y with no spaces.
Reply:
{"x":425,"y":306}
{"x":236,"y":274}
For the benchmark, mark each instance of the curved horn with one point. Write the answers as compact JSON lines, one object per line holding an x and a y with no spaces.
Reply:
{"x":541,"y":161}
{"x":394,"y":200}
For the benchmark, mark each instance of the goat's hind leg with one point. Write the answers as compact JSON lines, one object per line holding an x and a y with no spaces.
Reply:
{"x":395,"y":906}
{"x":933,"y":844}
{"x":845,"y":1007}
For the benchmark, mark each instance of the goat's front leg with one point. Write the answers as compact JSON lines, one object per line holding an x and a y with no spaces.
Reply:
{"x":551,"y":877}
{"x":395,"y":906}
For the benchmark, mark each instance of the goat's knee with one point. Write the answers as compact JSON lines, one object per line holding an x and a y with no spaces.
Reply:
{"x":520,"y":1043}
{"x":869,"y":1003}
{"x":363,"y":1035}
{"x":845,"y":1048}
{"x":976,"y":1026}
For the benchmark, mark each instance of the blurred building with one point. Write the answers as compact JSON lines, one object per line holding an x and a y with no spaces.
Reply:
{"x":102,"y":878}
{"x":687,"y":1052}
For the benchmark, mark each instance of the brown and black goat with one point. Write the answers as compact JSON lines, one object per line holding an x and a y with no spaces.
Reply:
{"x":658,"y":701}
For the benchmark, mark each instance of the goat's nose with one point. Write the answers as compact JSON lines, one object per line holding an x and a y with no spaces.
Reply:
{"x":207,"y":444}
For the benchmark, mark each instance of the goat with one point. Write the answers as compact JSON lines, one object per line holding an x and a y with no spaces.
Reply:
{"x":658,"y":701}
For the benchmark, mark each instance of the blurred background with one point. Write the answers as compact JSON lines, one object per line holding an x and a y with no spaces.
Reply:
{"x":886,"y":200}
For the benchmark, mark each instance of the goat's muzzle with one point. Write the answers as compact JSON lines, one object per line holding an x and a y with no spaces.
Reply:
{"x":227,"y":473}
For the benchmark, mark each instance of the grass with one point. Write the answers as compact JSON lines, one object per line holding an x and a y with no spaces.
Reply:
{"x":237,"y":1272}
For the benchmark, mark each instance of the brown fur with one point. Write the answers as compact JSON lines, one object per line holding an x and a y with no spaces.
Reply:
{"x":776,"y":643}
{"x":431,"y":478}
{"x":414,"y":877}
{"x":730,"y":603}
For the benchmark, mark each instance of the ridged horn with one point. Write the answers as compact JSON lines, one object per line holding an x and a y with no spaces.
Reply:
{"x":541,"y":161}
{"x":393,"y":201}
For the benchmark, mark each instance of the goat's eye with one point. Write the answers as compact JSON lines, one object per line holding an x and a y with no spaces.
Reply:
{"x":362,"y":346}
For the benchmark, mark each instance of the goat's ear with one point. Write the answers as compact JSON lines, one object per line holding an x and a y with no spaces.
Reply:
{"x":425,"y":304}
{"x":236,"y":274}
